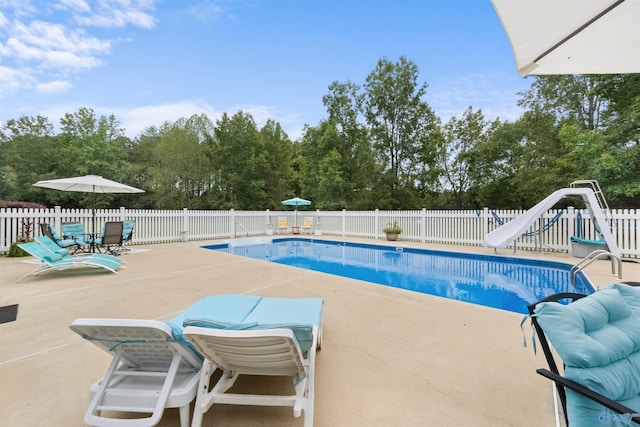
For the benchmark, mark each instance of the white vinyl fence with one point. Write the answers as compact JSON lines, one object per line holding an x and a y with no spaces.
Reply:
{"x":463,"y":227}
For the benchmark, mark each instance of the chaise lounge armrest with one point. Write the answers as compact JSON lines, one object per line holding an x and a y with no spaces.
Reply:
{"x":590,"y":394}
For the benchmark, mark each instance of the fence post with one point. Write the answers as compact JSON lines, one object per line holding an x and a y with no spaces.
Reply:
{"x":318,"y":231}
{"x":344,"y":222}
{"x":185,"y":224}
{"x":269,"y":225}
{"x":57,"y":217}
{"x":232,"y":216}
{"x":423,"y":226}
{"x":571,"y":231}
{"x":485,"y":222}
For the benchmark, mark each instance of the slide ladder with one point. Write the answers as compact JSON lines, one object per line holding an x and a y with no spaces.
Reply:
{"x":595,"y":187}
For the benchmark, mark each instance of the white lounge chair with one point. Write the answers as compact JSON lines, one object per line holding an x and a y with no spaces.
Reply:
{"x":278,"y":338}
{"x":282,"y":224}
{"x":307,"y":225}
{"x":153,"y":366}
{"x":152,"y":369}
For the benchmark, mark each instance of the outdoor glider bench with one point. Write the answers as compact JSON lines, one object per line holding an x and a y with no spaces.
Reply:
{"x":598,"y":339}
{"x":158,"y":365}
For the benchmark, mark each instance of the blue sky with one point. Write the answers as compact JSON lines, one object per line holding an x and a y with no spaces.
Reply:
{"x":150,"y":61}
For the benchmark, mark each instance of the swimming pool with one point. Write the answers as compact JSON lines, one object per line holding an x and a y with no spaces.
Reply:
{"x":506,"y":283}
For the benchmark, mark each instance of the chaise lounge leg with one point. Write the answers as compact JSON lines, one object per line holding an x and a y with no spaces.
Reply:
{"x":184,"y":415}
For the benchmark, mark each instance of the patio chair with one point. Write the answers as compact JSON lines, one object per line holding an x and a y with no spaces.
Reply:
{"x":151,"y":369}
{"x":307,"y":225}
{"x":282,"y":224}
{"x":598,"y":339}
{"x":58,"y":261}
{"x":74,"y":231}
{"x":111,"y":236}
{"x":49,"y":231}
{"x":279,"y":337}
{"x":127,"y":235}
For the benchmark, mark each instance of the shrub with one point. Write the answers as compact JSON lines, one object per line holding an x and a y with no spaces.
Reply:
{"x":16,"y":251}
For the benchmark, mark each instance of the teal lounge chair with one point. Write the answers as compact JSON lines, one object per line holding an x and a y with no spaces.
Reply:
{"x":51,"y":246}
{"x":51,"y":261}
{"x":267,"y":337}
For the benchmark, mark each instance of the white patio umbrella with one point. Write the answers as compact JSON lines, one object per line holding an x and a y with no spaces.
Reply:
{"x":88,"y":184}
{"x":572,"y":36}
{"x":296,"y":201}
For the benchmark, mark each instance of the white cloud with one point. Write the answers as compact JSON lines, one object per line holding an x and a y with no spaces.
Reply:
{"x":117,"y":13}
{"x":53,"y":45}
{"x":56,"y":86}
{"x":292,"y":124}
{"x":74,"y":5}
{"x":494,"y":95}
{"x":42,"y":54}
{"x":209,"y":11}
{"x":13,"y":80}
{"x":137,"y":119}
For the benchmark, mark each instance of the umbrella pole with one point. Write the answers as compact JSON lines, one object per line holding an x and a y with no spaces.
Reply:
{"x":93,"y":223}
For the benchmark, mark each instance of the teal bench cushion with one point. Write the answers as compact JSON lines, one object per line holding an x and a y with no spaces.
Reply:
{"x":598,"y":339}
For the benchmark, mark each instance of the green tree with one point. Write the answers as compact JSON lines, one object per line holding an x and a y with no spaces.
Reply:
{"x":497,"y":164}
{"x":180,"y":175}
{"x":27,"y":153}
{"x":596,"y":126}
{"x":338,"y":167}
{"x":274,"y":165}
{"x":579,"y":99}
{"x":89,"y":145}
{"x":235,"y":150}
{"x":459,"y":159}
{"x":401,"y":125}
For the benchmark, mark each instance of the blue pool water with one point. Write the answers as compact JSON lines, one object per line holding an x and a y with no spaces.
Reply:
{"x":506,"y":283}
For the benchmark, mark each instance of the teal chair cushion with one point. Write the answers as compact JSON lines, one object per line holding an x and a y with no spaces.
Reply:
{"x":74,"y":231}
{"x":598,"y":339}
{"x":52,"y":258}
{"x":127,"y":229}
{"x":299,"y":315}
{"x":227,"y":310}
{"x":63,"y":243}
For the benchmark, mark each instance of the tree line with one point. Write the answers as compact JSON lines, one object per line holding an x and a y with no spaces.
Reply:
{"x":380,"y":146}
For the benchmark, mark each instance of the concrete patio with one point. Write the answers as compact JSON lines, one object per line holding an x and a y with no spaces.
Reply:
{"x":390,"y":357}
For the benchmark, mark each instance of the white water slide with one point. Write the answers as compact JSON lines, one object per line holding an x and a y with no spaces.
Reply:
{"x":506,"y":234}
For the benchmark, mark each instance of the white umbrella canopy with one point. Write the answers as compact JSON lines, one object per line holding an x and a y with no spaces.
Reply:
{"x":572,"y":36}
{"x":88,"y":184}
